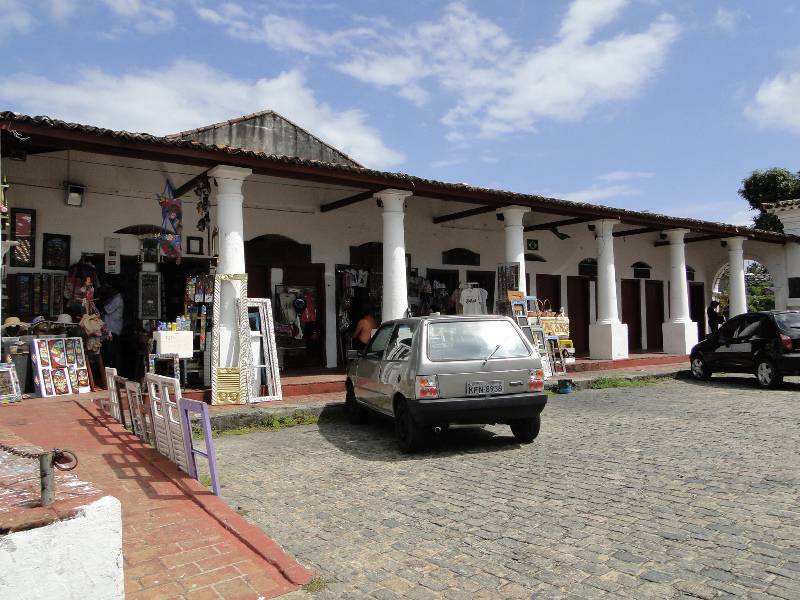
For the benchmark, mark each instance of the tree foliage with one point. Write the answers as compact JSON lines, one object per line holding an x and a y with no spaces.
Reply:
{"x":770,"y":185}
{"x":759,"y":285}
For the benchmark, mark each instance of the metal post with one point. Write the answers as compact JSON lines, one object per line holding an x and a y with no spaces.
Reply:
{"x":46,"y":477}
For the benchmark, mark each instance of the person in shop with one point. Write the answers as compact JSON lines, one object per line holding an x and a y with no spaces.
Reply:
{"x":714,"y":318}
{"x":364,"y":328}
{"x":113,"y":309}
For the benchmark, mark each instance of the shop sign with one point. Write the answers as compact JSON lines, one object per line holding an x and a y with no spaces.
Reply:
{"x":112,"y":256}
{"x":531,"y":245}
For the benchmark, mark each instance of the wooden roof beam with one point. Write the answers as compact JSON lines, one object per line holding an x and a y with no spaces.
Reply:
{"x":470,"y":212}
{"x":360,"y":197}
{"x":699,"y":238}
{"x":639,"y":231}
{"x":190,"y":185}
{"x":561,"y":223}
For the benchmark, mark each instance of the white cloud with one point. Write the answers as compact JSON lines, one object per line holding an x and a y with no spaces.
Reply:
{"x":15,"y":17}
{"x":625,"y":175}
{"x":148,"y":16}
{"x":599,"y":193}
{"x":62,"y":9}
{"x":741,"y":217}
{"x":279,"y":32}
{"x":495,"y":85}
{"x":189,"y":94}
{"x":776,"y":102}
{"x":446,"y":162}
{"x":728,"y":20}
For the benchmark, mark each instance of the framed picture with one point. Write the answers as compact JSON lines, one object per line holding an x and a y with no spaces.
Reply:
{"x":23,"y":230}
{"x":57,"y":295}
{"x":9,"y":384}
{"x":149,"y":250}
{"x":194,"y":245}
{"x":55,"y":251}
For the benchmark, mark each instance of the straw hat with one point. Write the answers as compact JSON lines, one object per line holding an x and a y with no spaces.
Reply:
{"x":64,"y":319}
{"x":14,"y":322}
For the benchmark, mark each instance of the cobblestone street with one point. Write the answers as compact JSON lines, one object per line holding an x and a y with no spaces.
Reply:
{"x":675,"y":490}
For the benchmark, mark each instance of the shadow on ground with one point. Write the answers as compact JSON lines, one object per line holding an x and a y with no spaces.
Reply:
{"x":744,"y":382}
{"x":375,"y":440}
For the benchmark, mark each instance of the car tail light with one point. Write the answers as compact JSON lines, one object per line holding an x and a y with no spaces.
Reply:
{"x":786,"y":343}
{"x":536,"y":381}
{"x":426,"y":386}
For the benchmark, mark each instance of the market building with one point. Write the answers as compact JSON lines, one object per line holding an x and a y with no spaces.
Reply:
{"x":323,"y":236}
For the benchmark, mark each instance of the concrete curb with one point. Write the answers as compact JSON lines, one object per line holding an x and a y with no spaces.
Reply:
{"x":294,"y":574}
{"x":583,"y":384}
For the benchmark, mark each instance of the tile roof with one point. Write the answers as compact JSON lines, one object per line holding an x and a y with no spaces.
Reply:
{"x":783,"y":205}
{"x":361,"y":177}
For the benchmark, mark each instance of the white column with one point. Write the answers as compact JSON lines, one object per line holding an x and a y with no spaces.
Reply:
{"x":608,"y":338}
{"x":230,"y":221}
{"x":515,"y":240}
{"x":736,"y":284}
{"x":395,"y":286}
{"x":680,"y":332}
{"x":792,"y":250}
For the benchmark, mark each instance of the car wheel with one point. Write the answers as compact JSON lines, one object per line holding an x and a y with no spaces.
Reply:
{"x":526,"y":430}
{"x":767,"y":374}
{"x":409,"y":434}
{"x":356,"y":413}
{"x":700,"y":370}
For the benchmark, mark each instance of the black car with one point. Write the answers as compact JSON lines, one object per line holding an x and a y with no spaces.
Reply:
{"x":766,"y":344}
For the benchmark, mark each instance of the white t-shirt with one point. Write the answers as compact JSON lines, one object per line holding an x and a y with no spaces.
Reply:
{"x":474,"y":301}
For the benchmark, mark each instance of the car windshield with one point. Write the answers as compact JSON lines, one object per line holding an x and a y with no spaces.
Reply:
{"x":790,"y":320}
{"x":474,"y":340}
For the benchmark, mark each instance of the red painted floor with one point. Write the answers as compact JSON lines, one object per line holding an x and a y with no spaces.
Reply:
{"x":172,"y":547}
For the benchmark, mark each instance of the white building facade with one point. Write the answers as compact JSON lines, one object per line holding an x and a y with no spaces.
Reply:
{"x":629,"y":281}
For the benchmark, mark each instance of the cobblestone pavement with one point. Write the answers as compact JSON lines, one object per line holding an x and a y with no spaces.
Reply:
{"x":678,"y":490}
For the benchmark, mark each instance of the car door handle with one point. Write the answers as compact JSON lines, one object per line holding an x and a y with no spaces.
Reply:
{"x":516,"y":383}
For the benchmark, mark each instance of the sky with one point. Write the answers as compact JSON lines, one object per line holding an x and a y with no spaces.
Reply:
{"x":655,"y":105}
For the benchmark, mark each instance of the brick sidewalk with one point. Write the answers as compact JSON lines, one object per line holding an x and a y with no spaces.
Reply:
{"x":172,"y":547}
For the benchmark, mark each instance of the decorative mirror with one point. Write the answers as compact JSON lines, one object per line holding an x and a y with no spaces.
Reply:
{"x":230,"y":385}
{"x":265,"y":379}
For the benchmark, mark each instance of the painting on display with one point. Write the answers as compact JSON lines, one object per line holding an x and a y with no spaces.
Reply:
{"x":9,"y":384}
{"x":59,"y":367}
{"x":55,"y":251}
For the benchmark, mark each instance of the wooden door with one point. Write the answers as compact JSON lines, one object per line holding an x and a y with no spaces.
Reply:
{"x":654,"y":309}
{"x":578,"y":310}
{"x":697,"y":307}
{"x":548,"y":290}
{"x":632,"y":312}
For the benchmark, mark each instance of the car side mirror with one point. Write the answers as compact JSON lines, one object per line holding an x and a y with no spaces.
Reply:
{"x":353,"y":354}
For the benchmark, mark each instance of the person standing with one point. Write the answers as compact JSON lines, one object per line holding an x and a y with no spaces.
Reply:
{"x":714,"y":318}
{"x":113,"y":309}
{"x":364,"y":328}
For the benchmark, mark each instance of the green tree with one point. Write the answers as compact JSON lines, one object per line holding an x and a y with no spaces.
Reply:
{"x":771,"y":185}
{"x":759,"y":285}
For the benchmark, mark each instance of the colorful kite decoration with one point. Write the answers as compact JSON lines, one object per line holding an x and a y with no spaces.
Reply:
{"x":171,"y":222}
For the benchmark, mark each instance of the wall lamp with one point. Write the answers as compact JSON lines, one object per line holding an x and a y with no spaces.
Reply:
{"x":75,"y":194}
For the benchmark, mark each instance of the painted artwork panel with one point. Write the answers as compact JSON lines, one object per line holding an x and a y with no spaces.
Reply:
{"x":47,"y":382}
{"x":58,"y":353}
{"x":71,"y":358}
{"x":60,"y":382}
{"x":43,"y":352}
{"x":73,"y":379}
{"x":83,"y":378}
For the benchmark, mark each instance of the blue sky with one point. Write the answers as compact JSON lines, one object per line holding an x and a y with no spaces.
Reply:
{"x":650,"y":104}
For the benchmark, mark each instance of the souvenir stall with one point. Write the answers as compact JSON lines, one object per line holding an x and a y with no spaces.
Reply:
{"x":297,"y":328}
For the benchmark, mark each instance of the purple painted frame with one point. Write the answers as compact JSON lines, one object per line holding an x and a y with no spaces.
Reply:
{"x":186,"y":406}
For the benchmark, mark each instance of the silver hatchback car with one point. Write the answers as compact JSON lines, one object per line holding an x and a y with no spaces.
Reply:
{"x":429,"y":372}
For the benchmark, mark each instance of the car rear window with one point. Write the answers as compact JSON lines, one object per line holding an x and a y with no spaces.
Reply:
{"x":474,"y":340}
{"x":789,"y":321}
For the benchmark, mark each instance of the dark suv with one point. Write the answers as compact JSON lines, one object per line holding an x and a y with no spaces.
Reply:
{"x":764,"y":343}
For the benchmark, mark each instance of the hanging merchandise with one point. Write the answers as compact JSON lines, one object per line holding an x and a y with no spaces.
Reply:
{"x":473,"y":300}
{"x":203,"y":190}
{"x":79,"y":287}
{"x":171,"y":222}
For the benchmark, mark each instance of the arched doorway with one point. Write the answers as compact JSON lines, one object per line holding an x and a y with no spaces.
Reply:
{"x":758,"y":283}
{"x":280,"y":268}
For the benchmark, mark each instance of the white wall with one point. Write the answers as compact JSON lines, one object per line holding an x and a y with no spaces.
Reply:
{"x":122,"y":191}
{"x":78,"y":559}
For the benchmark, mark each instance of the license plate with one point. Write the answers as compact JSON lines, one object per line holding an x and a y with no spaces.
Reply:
{"x":482,"y":388}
